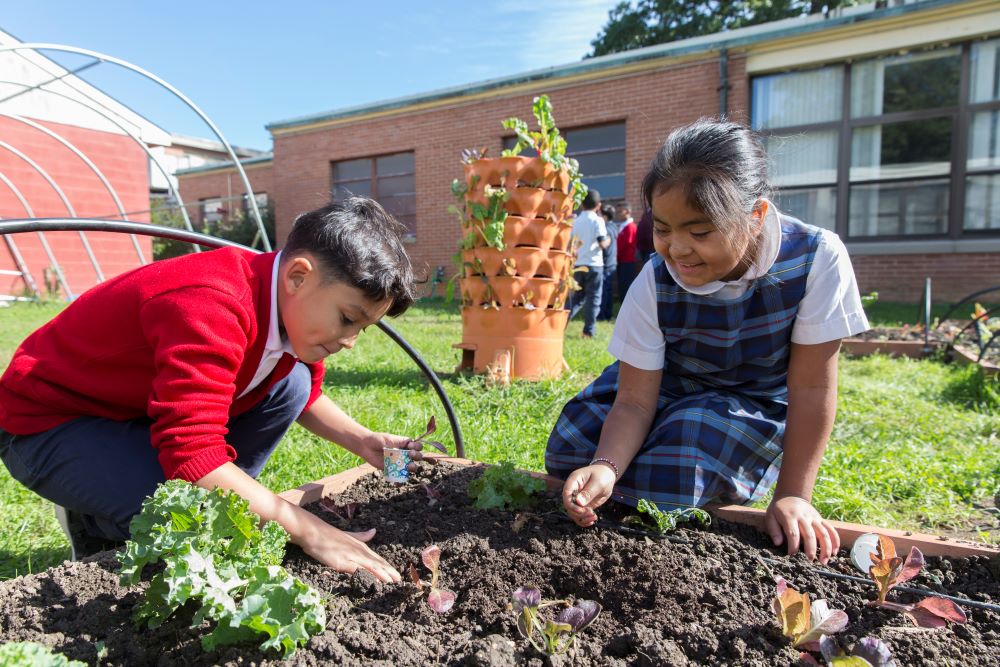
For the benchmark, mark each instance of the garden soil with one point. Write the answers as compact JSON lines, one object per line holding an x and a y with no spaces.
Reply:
{"x":703,"y":597}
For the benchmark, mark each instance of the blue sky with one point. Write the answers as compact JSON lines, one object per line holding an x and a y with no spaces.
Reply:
{"x":249,"y":63}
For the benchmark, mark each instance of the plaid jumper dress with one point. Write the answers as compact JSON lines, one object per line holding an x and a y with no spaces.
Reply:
{"x":723,"y":399}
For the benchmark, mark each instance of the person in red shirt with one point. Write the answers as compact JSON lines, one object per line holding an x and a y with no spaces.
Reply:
{"x":628,"y":265}
{"x":194,"y":367}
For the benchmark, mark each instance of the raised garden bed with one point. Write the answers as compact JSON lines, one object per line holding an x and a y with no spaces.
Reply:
{"x":900,"y":341}
{"x":702,"y":597}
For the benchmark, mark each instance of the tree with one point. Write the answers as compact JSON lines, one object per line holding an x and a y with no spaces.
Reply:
{"x":648,"y":22}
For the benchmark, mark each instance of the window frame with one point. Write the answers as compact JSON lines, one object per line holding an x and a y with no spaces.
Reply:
{"x":511,"y":139}
{"x":960,"y":116}
{"x":373,"y":178}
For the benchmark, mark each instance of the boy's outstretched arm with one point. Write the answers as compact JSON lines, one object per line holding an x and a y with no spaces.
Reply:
{"x":340,"y":550}
{"x":812,"y":406}
{"x":328,"y":421}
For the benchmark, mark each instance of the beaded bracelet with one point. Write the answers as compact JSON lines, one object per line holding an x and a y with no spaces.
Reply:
{"x":614,"y":466}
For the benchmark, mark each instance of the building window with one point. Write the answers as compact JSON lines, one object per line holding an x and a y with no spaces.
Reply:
{"x":212,"y":210}
{"x":799,"y":115}
{"x":876,"y":148}
{"x":982,"y":182}
{"x":388,"y":179}
{"x":260,"y":197}
{"x":600,"y":150}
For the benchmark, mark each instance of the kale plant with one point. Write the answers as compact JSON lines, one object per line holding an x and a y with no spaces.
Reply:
{"x":215,"y":554}
{"x":30,"y":654}
{"x":503,"y":487}
{"x":666,"y":522}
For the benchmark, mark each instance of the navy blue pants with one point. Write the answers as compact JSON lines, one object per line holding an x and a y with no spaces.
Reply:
{"x":104,"y":469}
{"x":588,"y":297}
{"x":608,"y":293}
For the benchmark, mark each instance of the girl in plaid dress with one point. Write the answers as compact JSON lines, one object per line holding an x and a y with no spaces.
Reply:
{"x":725,"y":383}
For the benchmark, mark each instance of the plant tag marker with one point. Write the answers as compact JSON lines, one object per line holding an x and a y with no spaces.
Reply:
{"x":395,"y":462}
{"x":861,"y":552}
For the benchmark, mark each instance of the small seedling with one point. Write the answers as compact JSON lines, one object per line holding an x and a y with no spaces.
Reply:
{"x":804,"y":622}
{"x":344,"y":513}
{"x":889,"y":570}
{"x":869,"y":652}
{"x":431,"y":428}
{"x":439,"y":599}
{"x":666,"y":522}
{"x":551,"y":636}
{"x":503,"y":487}
{"x":433,"y":494}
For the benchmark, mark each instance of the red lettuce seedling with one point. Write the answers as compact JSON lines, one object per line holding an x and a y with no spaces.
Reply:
{"x":551,"y":636}
{"x":433,"y":494}
{"x":889,"y":570}
{"x":345,"y":513}
{"x":439,"y":599}
{"x":431,"y":427}
{"x":804,"y":622}
{"x":869,"y":652}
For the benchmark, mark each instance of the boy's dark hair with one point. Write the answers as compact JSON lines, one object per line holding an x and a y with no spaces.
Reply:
{"x":357,"y":242}
{"x":592,"y":200}
{"x":721,"y":167}
{"x":608,"y":211}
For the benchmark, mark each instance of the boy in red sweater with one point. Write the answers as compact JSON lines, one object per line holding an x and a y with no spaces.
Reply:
{"x":194,"y":368}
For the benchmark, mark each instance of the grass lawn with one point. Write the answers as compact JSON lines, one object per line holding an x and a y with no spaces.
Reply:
{"x":915,"y":445}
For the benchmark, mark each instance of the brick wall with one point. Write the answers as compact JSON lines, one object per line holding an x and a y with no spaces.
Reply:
{"x":953,"y":275}
{"x":650,"y":104}
{"x":224,"y":183}
{"x":122,"y":162}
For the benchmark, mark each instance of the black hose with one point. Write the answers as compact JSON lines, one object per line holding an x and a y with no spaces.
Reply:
{"x":26,"y":225}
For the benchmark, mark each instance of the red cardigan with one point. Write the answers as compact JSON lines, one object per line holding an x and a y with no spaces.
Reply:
{"x":175,"y":341}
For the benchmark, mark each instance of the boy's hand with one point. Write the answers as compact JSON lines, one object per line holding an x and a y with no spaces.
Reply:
{"x":585,"y":490}
{"x":346,"y":552}
{"x":797,"y":519}
{"x":372,"y":446}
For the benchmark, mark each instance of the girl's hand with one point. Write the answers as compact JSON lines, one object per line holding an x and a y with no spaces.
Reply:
{"x":585,"y":490}
{"x":795,"y":518}
{"x":372,"y":446}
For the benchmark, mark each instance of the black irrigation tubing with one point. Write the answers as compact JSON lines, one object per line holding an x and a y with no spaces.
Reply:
{"x":966,"y":299}
{"x":906,"y":589}
{"x":25,"y":225}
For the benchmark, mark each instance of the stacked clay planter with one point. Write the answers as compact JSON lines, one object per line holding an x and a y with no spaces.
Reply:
{"x":515,"y":300}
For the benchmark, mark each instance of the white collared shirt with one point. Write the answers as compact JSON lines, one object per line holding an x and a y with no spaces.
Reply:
{"x":275,"y":346}
{"x":830,"y":308}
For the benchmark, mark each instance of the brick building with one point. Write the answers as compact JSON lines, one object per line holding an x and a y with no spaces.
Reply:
{"x":881,"y":122}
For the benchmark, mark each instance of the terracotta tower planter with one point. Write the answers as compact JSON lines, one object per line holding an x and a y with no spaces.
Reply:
{"x":515,"y":299}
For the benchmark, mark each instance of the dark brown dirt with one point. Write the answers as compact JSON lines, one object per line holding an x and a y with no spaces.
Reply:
{"x":702,"y":599}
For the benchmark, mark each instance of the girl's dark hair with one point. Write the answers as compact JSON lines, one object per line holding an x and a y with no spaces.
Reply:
{"x":357,"y":242}
{"x":721,"y":167}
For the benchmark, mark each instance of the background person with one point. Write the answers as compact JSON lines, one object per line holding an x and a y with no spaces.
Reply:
{"x":588,"y":271}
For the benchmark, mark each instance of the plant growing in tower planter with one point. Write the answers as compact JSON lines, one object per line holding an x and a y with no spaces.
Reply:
{"x":515,"y":252}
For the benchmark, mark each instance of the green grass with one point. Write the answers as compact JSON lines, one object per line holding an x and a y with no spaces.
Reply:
{"x":915,"y":443}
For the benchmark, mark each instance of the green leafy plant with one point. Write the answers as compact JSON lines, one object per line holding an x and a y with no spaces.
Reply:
{"x":869,"y":299}
{"x":30,"y":654}
{"x":504,"y":487}
{"x":547,"y":142}
{"x":215,"y":554}
{"x":491,"y":218}
{"x":547,"y":635}
{"x":666,"y":522}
